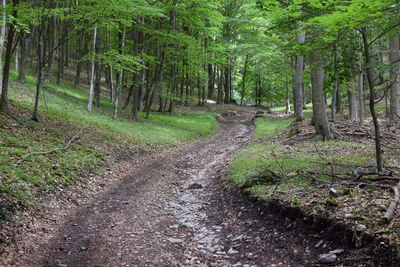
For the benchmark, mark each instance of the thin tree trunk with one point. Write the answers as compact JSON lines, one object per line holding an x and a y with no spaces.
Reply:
{"x":187,"y":87}
{"x":394,"y":113}
{"x":25,"y":52}
{"x":4,"y":102}
{"x":298,"y":89}
{"x":97,"y":75}
{"x":91,"y":87}
{"x":378,"y":146}
{"x":352,"y":100}
{"x":287,"y":95}
{"x":334,"y":100}
{"x":2,"y":36}
{"x":174,"y":89}
{"x":50,"y":45}
{"x":211,"y":81}
{"x":41,"y":50}
{"x":121,"y":76}
{"x":97,"y":85}
{"x":16,"y":64}
{"x":227,"y":89}
{"x":246,"y":61}
{"x":361,"y":97}
{"x":80,"y":64}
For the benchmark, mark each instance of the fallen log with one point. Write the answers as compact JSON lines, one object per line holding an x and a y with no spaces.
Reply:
{"x":390,"y":212}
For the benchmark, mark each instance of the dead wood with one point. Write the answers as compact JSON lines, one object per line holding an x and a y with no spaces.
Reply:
{"x":389,"y":214}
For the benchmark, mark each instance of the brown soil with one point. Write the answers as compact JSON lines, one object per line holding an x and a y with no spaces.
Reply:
{"x":172,"y":209}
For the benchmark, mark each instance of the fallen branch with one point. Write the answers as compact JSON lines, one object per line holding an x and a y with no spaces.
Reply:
{"x":384,"y":178}
{"x":299,"y":137}
{"x":50,"y":151}
{"x":360,"y":185}
{"x":389,"y":214}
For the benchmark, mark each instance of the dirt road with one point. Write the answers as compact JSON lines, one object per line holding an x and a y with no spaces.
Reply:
{"x":176,"y":211}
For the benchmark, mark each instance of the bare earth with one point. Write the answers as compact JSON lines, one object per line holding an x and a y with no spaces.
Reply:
{"x":171,"y":210}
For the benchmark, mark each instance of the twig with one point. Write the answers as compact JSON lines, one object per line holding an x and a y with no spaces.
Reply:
{"x":281,"y":176}
{"x":330,"y":163}
{"x":389,"y":214}
{"x":35,"y":153}
{"x":365,"y":184}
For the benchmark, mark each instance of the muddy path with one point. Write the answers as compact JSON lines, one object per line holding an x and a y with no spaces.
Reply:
{"x":176,"y":211}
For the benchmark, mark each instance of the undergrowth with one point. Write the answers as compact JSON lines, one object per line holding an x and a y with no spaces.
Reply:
{"x":302,"y":175}
{"x":63,"y":113}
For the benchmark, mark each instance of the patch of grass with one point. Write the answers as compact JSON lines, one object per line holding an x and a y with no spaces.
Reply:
{"x":21,"y":180}
{"x":270,"y":126}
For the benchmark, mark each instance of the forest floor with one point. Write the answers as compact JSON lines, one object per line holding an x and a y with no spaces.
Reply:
{"x":331,"y":183}
{"x":81,"y":189}
{"x":170,"y":208}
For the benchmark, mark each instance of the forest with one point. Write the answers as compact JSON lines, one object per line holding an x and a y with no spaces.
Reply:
{"x":118,"y":117}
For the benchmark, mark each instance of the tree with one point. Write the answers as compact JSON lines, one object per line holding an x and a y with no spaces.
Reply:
{"x":4,"y":102}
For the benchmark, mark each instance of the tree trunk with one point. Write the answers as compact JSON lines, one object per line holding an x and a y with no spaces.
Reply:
{"x":2,"y":36}
{"x":378,"y":146}
{"x":394,"y":113}
{"x":187,"y":87}
{"x":352,"y":100}
{"x":174,"y":88}
{"x":334,"y":100}
{"x":246,"y":61}
{"x":91,"y":87}
{"x":227,"y":89}
{"x":16,"y":60}
{"x":287,"y":94}
{"x":97,"y":85}
{"x":50,"y":46}
{"x":298,"y":89}
{"x":41,"y":50}
{"x":4,"y":102}
{"x":98,"y":71}
{"x":120,"y":77}
{"x":320,"y":118}
{"x":220,"y":97}
{"x":26,"y":41}
{"x":211,"y":81}
{"x":361,"y":97}
{"x":156,"y":80}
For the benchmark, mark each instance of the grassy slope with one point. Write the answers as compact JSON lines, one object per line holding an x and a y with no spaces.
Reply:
{"x":64,"y":114}
{"x":305,"y":178}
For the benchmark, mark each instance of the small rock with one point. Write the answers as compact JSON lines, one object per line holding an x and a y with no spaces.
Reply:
{"x":337,"y":251}
{"x":361,"y":228}
{"x":232,"y":251}
{"x":240,"y":237}
{"x":348,"y":216}
{"x":333,"y":192}
{"x":195,"y":186}
{"x":3,"y":240}
{"x":327,"y":258}
{"x":175,"y":240}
